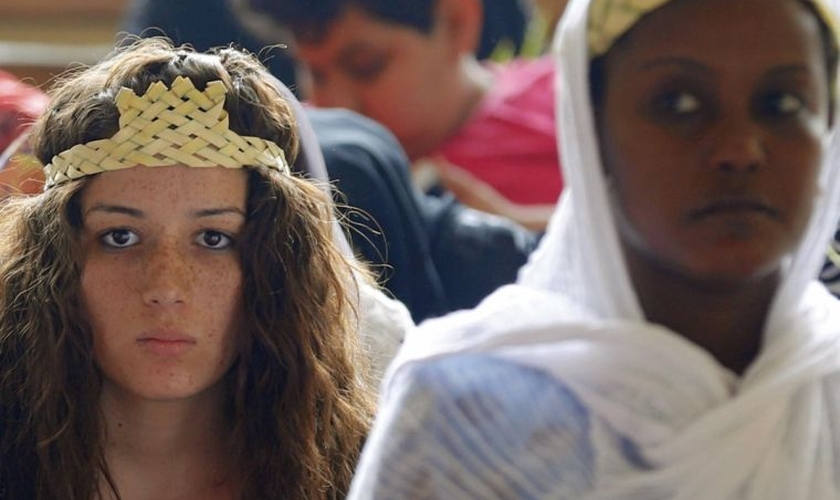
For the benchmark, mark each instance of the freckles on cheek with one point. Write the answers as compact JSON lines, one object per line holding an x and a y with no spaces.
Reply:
{"x":103,"y":292}
{"x":224,"y":295}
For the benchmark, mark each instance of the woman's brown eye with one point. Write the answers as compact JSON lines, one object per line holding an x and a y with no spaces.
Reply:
{"x":788,"y":104}
{"x":681,"y":103}
{"x":215,"y":240}
{"x":119,"y":238}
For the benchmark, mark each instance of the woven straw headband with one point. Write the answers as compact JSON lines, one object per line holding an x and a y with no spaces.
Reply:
{"x":177,"y":125}
{"x":609,"y":19}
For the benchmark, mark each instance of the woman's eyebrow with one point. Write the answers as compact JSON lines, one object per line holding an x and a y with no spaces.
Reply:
{"x":683,"y":62}
{"x":137,"y":213}
{"x":787,"y":69}
{"x":116,"y":209}
{"x":211,"y":212}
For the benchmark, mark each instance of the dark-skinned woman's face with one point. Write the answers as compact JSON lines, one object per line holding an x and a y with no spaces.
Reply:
{"x":711,"y":127}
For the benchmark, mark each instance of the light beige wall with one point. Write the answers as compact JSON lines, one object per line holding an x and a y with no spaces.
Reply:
{"x":40,"y":38}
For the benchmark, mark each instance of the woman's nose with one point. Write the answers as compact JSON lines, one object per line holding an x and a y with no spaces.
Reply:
{"x":739,"y":146}
{"x":167,"y":278}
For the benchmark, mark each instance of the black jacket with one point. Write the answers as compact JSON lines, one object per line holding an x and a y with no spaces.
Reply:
{"x":432,"y":253}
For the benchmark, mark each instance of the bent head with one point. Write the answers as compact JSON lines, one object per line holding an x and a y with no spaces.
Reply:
{"x":401,"y":63}
{"x":712,"y":117}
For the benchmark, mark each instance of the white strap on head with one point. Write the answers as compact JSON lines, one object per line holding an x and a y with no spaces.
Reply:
{"x":177,"y":125}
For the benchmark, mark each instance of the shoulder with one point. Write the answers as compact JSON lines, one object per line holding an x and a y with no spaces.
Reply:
{"x":520,"y":103}
{"x":505,"y":317}
{"x":474,"y":426}
{"x":341,"y":132}
{"x":364,"y":158}
{"x":477,"y":426}
{"x":537,"y":66}
{"x":521,"y":77}
{"x":483,"y":390}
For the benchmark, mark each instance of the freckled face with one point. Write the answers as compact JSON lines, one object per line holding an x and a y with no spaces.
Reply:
{"x":161,"y":280}
{"x":711,"y":133}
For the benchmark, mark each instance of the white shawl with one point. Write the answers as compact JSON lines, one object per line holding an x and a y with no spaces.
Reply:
{"x":772,"y":434}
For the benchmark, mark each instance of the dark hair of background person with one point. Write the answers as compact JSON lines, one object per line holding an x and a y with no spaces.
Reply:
{"x":205,"y":24}
{"x":504,"y":20}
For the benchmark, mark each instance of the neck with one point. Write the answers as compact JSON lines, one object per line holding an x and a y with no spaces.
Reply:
{"x":167,"y":449}
{"x":726,"y":319}
{"x":468,"y":89}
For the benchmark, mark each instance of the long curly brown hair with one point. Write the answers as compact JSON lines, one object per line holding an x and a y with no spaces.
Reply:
{"x":298,"y":404}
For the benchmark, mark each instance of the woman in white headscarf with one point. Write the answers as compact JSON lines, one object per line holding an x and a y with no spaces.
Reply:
{"x":669,"y":339}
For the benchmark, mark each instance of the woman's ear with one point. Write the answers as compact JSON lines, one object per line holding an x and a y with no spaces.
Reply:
{"x":463,"y":21}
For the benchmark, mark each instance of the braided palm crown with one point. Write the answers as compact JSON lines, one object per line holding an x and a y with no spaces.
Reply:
{"x":177,"y":125}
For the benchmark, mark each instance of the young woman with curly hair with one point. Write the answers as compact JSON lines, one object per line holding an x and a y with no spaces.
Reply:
{"x":170,"y":328}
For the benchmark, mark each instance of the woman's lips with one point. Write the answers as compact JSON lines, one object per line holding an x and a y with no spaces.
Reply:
{"x":734,"y":206}
{"x":166,"y":344}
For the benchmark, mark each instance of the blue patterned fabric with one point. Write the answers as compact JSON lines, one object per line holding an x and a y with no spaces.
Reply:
{"x":830,"y":273}
{"x":477,"y":427}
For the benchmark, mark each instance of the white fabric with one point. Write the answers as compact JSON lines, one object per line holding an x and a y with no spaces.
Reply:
{"x":772,"y":434}
{"x":383,"y":324}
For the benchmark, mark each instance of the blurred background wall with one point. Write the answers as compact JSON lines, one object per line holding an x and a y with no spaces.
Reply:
{"x":40,"y":38}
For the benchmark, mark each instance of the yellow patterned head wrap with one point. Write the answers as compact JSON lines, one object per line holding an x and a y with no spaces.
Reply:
{"x":177,"y":125}
{"x":609,"y":19}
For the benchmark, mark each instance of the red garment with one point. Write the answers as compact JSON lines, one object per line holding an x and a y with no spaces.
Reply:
{"x":510,"y":141}
{"x":20,"y":104}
